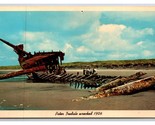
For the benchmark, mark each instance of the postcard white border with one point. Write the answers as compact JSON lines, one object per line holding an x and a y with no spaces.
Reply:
{"x":77,"y":114}
{"x":52,"y":113}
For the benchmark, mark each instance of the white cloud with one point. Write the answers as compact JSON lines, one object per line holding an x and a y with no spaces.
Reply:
{"x":82,"y":49}
{"x":34,"y":36}
{"x":67,"y":47}
{"x":139,"y":43}
{"x":147,"y":53}
{"x":114,"y":37}
{"x":133,"y":33}
{"x":111,"y":28}
{"x":31,"y":36}
{"x":107,"y":37}
{"x":40,"y":41}
{"x":46,"y":45}
{"x":69,"y":53}
{"x":80,"y":53}
{"x":118,"y":40}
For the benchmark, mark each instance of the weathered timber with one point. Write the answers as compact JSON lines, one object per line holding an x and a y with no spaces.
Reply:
{"x":89,"y":81}
{"x":129,"y":88}
{"x":120,"y":81}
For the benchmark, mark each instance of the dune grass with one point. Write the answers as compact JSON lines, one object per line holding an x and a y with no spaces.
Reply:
{"x":95,"y":63}
{"x":9,"y":67}
{"x":109,"y":62}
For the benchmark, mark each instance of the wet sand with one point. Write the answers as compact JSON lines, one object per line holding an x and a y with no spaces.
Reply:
{"x":52,"y":96}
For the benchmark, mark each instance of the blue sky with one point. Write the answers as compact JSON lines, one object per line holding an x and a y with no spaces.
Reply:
{"x":83,"y":36}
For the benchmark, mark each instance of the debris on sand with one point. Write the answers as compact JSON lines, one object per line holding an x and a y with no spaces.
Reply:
{"x":120,"y":81}
{"x":123,"y":87}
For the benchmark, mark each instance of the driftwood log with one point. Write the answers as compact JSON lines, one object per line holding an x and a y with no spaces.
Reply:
{"x":120,"y":81}
{"x":128,"y":88}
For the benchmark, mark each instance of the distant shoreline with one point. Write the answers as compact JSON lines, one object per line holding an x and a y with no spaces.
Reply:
{"x":109,"y":64}
{"x":76,"y":69}
{"x":11,"y":70}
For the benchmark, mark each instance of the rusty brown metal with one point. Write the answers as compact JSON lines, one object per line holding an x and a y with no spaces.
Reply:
{"x":22,"y":72}
{"x":31,"y":63}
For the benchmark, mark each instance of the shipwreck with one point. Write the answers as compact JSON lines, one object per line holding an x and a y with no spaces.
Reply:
{"x":47,"y":67}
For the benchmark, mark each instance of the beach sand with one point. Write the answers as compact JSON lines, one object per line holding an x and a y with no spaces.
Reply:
{"x":53,"y":96}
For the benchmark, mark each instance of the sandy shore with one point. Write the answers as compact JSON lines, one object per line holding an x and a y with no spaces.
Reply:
{"x":51,"y":96}
{"x":116,"y":72}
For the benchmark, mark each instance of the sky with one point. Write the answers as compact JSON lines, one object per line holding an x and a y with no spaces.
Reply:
{"x":82,"y":36}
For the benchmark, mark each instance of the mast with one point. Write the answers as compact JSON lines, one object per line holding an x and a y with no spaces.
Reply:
{"x":17,"y":48}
